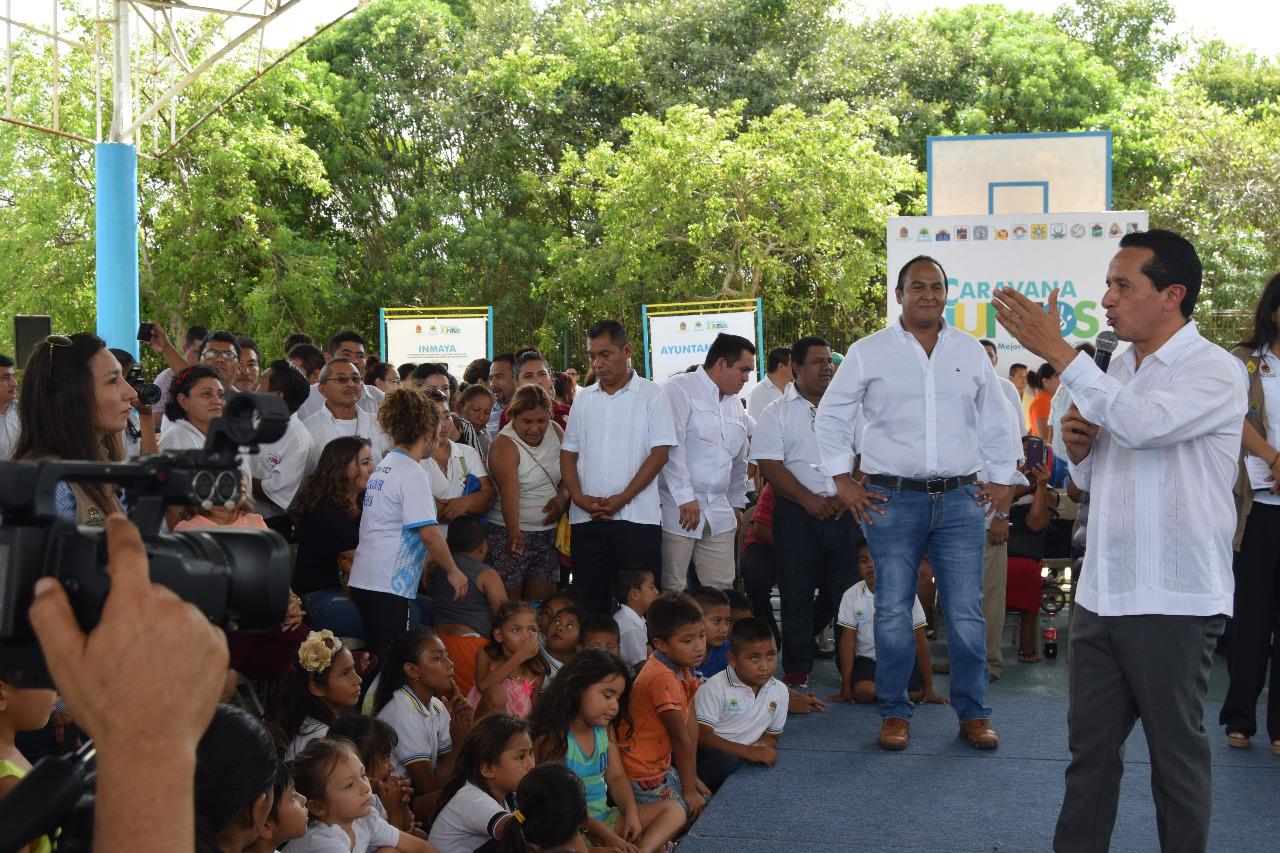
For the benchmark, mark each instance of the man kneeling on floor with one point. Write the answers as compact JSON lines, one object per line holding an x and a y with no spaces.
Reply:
{"x":857,"y":652}
{"x":741,"y":709}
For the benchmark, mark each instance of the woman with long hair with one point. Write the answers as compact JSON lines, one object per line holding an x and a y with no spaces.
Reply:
{"x":75,"y":403}
{"x":1257,"y":560}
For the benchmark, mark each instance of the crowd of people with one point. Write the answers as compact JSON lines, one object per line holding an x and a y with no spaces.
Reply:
{"x":528,"y":614}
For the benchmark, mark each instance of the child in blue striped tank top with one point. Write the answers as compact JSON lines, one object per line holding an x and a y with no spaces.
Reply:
{"x":574,"y":723}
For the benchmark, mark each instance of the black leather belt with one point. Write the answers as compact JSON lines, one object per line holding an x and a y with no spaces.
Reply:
{"x":930,"y":487}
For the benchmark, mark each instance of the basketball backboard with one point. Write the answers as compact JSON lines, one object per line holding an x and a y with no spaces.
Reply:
{"x":1019,"y":173}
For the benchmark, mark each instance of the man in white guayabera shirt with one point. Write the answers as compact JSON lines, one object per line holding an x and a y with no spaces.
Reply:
{"x":1156,"y":441}
{"x":704,"y":483}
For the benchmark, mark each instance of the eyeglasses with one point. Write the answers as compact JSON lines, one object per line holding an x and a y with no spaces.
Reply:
{"x":224,"y":354}
{"x":345,"y":380}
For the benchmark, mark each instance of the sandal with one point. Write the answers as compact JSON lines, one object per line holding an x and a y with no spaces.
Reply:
{"x":1239,"y":740}
{"x":1028,"y":657}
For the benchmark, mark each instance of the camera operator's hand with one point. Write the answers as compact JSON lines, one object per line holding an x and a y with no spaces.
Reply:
{"x":143,"y":684}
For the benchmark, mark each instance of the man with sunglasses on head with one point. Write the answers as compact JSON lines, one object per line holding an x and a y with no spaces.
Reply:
{"x":341,"y":415}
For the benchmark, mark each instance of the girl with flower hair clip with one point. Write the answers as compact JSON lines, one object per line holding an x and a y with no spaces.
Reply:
{"x":323,"y":685}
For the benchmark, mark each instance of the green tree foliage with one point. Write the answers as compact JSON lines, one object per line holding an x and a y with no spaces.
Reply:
{"x":1132,"y":36}
{"x":790,"y":207}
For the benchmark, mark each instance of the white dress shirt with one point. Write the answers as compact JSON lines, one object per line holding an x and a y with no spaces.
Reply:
{"x":9,"y":429}
{"x":613,"y":434}
{"x":1160,"y":476}
{"x":324,"y":428}
{"x":925,"y":416}
{"x":759,"y":398}
{"x":282,"y":466}
{"x":1059,"y":406}
{"x":785,"y":433}
{"x":371,"y":398}
{"x":709,"y":462}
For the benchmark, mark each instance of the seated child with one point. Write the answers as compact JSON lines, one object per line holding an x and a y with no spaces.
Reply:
{"x":739,"y":606}
{"x":561,"y":640}
{"x":418,"y":674}
{"x":329,"y":773}
{"x":742,"y":709}
{"x":715,"y":616}
{"x":323,"y":685}
{"x":576,"y":722}
{"x":287,"y":819}
{"x":374,"y":741}
{"x":567,"y":597}
{"x":635,"y":590}
{"x":464,"y":626}
{"x":659,"y":746}
{"x":552,"y":811}
{"x":857,"y":656}
{"x":22,"y":709}
{"x":600,"y":631}
{"x":510,"y":668}
{"x":478,"y":803}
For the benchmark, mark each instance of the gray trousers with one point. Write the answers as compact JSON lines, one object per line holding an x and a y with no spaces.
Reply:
{"x":995,"y":585}
{"x":1123,"y":668}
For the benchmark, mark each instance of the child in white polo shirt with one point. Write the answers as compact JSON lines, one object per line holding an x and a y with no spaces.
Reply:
{"x":857,"y":653}
{"x":742,"y":709}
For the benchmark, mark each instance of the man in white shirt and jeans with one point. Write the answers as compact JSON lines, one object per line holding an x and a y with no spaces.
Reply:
{"x":931,"y":419}
{"x":618,"y":437}
{"x":1156,"y":441}
{"x":703,"y":486}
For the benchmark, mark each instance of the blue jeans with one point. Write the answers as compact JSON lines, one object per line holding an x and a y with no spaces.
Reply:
{"x":949,"y":528}
{"x":330,"y":608}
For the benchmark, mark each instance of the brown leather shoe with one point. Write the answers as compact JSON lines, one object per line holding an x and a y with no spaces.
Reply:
{"x":979,"y":734}
{"x":894,"y":733}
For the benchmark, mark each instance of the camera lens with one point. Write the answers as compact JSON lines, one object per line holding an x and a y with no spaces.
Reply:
{"x":149,"y":394}
{"x":227,"y":489}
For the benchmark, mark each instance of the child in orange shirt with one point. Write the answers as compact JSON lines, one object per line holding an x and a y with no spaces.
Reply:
{"x":659,"y":747}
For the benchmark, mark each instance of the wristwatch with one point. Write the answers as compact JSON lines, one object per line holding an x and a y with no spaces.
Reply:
{"x":1001,"y":516}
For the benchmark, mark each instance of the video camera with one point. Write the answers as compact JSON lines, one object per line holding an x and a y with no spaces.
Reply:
{"x":238,"y":578}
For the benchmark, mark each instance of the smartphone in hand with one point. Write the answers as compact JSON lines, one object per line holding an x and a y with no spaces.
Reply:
{"x":1034,"y":449}
{"x":144,"y":332}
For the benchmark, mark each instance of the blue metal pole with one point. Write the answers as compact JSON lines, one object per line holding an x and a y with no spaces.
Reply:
{"x":489,"y":335}
{"x":116,"y":237}
{"x":382,"y":334}
{"x":644,"y":322}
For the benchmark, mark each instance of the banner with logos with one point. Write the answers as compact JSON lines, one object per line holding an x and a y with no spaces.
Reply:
{"x":452,"y":336}
{"x":1033,"y":253}
{"x":678,"y":334}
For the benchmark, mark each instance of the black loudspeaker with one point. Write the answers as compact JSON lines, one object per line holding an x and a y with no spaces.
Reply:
{"x":29,"y":330}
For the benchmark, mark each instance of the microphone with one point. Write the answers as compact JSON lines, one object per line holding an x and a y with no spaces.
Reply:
{"x":1106,"y":344}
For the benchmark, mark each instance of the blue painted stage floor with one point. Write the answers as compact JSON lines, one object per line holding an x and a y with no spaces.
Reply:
{"x":834,"y":789}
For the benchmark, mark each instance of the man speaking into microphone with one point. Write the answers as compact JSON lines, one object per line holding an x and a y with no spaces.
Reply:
{"x":1155,"y":439}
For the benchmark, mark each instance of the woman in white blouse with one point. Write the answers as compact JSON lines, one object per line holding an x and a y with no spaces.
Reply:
{"x":198,"y":397}
{"x":459,"y":480}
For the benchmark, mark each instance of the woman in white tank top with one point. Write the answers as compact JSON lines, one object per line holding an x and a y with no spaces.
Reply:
{"x":524,"y":461}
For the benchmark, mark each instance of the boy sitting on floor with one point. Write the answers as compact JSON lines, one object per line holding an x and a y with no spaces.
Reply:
{"x":857,"y":656}
{"x":742,"y":709}
{"x":715,"y":616}
{"x":659,"y":748}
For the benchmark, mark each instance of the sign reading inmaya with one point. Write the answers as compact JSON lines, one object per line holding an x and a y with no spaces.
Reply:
{"x":679,"y":334}
{"x":1032,"y":253}
{"x":452,"y":336}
